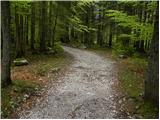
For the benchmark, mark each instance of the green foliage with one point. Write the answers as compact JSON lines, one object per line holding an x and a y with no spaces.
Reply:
{"x":139,"y":30}
{"x":15,"y":94}
{"x":75,"y":43}
{"x":148,"y":111}
{"x":57,"y":48}
{"x":119,"y":49}
{"x":75,"y":20}
{"x":132,"y":75}
{"x":123,"y":47}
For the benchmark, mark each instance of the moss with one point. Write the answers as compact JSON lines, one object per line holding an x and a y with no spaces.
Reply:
{"x":132,"y":83}
{"x":148,"y":111}
{"x":57,"y":48}
{"x":15,"y":94}
{"x":50,"y":63}
{"x":75,"y":43}
{"x":132,"y":75}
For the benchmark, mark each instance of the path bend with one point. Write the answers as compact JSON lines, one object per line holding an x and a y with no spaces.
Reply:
{"x":85,"y":91}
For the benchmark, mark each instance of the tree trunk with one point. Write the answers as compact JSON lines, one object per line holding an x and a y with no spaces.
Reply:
{"x":32,"y":25}
{"x":110,"y":36}
{"x":6,"y":59}
{"x":50,"y":24}
{"x":22,"y":42}
{"x":55,"y":24}
{"x":17,"y":32}
{"x":27,"y":42}
{"x":152,"y":81}
{"x":43,"y":27}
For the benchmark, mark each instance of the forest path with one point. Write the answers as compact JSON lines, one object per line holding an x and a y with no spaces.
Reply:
{"x":85,"y":91}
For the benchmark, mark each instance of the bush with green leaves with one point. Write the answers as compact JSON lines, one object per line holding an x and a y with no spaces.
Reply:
{"x":123,"y":47}
{"x":123,"y":50}
{"x":57,"y":48}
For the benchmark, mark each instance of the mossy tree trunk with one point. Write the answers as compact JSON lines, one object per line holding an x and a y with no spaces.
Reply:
{"x":6,"y":47}
{"x":152,"y":81}
{"x":32,"y":25}
{"x":43,"y":27}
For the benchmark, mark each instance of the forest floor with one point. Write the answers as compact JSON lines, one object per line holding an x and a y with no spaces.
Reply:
{"x":91,"y":83}
{"x":132,"y":72}
{"x":86,"y":90}
{"x":31,"y":82}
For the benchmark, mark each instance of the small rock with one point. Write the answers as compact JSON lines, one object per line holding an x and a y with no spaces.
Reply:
{"x":15,"y":90}
{"x":120,"y":101}
{"x":20,"y":62}
{"x":122,"y":56}
{"x":26,"y":96}
{"x":51,"y":52}
{"x":83,"y":47}
{"x":124,"y":99}
{"x":137,"y":107}
{"x":36,"y":88}
{"x":49,"y":48}
{"x":55,"y":70}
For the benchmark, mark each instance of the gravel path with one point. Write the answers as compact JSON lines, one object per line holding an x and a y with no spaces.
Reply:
{"x":85,"y":91}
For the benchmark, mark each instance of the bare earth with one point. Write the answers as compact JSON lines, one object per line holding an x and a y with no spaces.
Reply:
{"x":85,"y":91}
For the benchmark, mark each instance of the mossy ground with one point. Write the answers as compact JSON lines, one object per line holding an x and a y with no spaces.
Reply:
{"x":28,"y":80}
{"x":15,"y":94}
{"x":132,"y":75}
{"x":132,"y":72}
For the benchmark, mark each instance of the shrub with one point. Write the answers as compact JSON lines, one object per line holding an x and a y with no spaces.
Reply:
{"x":123,"y":47}
{"x":124,"y":50}
{"x":124,"y":39}
{"x":57,"y":48}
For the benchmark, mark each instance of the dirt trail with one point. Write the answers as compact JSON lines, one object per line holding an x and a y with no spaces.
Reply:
{"x":85,"y":91}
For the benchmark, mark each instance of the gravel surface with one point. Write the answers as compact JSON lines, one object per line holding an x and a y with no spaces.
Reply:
{"x":85,"y":91}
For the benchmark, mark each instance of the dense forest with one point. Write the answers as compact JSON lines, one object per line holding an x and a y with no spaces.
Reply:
{"x":128,"y":28}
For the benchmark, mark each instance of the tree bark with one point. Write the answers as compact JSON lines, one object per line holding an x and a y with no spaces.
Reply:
{"x":43,"y":27}
{"x":6,"y":59}
{"x":32,"y":26}
{"x":50,"y":24}
{"x":27,"y":42}
{"x":152,"y":81}
{"x":55,"y":24}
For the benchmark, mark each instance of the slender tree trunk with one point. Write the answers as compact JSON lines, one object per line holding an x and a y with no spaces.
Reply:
{"x":27,"y":42}
{"x":32,"y":25}
{"x":22,"y":42}
{"x":17,"y":32}
{"x":152,"y":81}
{"x":6,"y":59}
{"x":110,"y":36}
{"x":55,"y":24}
{"x":50,"y":24}
{"x":43,"y":27}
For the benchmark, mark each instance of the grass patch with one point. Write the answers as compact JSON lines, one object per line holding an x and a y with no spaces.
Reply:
{"x":148,"y":111}
{"x":15,"y":94}
{"x":44,"y":63}
{"x":28,"y":80}
{"x":132,"y":74}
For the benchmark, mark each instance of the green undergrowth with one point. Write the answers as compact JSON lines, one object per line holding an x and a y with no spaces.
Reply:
{"x":104,"y":51}
{"x":132,"y":74}
{"x":75,"y":43}
{"x":15,"y":94}
{"x":57,"y":48}
{"x":27,"y":82}
{"x":44,"y":63}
